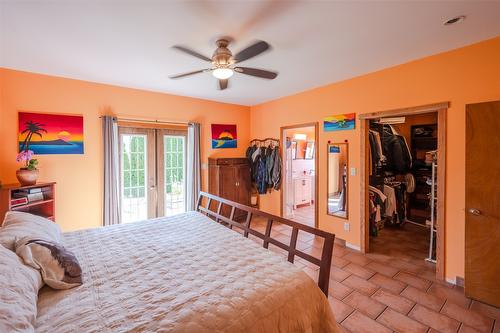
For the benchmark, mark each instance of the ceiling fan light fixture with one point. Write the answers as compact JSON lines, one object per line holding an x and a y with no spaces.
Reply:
{"x":222,"y":73}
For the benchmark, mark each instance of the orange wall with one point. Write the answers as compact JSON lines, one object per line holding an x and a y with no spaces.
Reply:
{"x":466,"y":75}
{"x":79,"y":177}
{"x":462,"y":76}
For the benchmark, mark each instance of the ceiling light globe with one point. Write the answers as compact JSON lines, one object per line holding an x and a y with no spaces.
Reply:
{"x":223,"y":73}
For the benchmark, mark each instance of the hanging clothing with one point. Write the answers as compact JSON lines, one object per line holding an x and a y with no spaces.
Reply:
{"x":376,"y":213}
{"x":379,"y":146}
{"x":265,"y":167}
{"x":260,"y":179}
{"x":276,"y":174}
{"x":269,"y":166}
{"x":390,"y":203}
{"x":398,"y":155}
{"x":378,"y":192}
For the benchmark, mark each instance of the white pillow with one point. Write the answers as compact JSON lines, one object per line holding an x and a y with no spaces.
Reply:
{"x":17,"y":225}
{"x":19,"y":285}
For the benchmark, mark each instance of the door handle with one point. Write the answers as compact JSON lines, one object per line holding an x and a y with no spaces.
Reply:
{"x":474,"y":211}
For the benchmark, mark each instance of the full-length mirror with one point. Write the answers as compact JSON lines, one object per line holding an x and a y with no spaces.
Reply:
{"x":338,"y":178}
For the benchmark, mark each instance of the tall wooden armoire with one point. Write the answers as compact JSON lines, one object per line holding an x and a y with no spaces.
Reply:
{"x":229,"y":178}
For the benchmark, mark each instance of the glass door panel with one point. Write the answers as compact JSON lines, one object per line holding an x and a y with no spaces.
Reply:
{"x":136,"y":197}
{"x":134,"y":194}
{"x":174,"y":170}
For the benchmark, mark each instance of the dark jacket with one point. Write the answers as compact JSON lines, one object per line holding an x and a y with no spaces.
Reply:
{"x":397,"y":154}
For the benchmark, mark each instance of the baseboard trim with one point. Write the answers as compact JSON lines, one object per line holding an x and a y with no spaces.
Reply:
{"x":339,"y":241}
{"x":457,"y":281}
{"x":452,"y":281}
{"x":352,"y":246}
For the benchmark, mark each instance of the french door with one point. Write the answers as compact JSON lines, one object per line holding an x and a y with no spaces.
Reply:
{"x":152,"y":172}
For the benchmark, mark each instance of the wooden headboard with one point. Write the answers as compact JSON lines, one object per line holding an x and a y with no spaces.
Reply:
{"x":324,"y":262}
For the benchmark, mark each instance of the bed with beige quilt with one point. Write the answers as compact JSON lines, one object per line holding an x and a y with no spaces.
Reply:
{"x":184,"y":273}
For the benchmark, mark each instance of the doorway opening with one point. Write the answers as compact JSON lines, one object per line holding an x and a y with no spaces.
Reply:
{"x":152,"y":173}
{"x":300,"y":182}
{"x":403,"y":165}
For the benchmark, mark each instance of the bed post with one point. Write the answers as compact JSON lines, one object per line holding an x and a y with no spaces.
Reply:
{"x":324,"y":270}
{"x":198,"y":202}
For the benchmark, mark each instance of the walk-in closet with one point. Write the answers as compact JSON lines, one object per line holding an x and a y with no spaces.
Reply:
{"x":403,"y":186}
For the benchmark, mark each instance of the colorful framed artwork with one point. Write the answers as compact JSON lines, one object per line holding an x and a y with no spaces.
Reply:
{"x":50,"y":133}
{"x":224,"y":136}
{"x":339,"y":122}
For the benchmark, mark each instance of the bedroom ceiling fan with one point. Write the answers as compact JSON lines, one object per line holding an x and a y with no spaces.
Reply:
{"x":223,"y":62}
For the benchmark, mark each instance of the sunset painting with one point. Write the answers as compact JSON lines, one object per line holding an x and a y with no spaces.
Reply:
{"x":339,"y":122}
{"x":224,"y":136}
{"x":51,"y":133}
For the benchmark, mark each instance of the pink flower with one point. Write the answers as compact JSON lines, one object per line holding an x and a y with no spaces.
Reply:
{"x":24,"y":156}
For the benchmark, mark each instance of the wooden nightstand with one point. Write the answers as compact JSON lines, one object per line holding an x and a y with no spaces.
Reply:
{"x":44,"y":206}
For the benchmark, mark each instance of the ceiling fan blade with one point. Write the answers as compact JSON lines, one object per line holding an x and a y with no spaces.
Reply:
{"x":191,"y":52}
{"x":251,"y":51}
{"x":256,"y":72}
{"x":178,"y":76}
{"x":223,"y":84}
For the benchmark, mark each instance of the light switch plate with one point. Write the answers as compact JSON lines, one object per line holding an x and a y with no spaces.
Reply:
{"x":346,"y":226}
{"x":353,"y":171}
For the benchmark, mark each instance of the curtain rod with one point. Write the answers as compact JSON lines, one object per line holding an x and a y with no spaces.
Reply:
{"x":155,"y":121}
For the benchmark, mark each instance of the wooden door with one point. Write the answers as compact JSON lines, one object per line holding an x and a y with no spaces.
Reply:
{"x":482,"y":202}
{"x":243,"y":184}
{"x":227,"y":186}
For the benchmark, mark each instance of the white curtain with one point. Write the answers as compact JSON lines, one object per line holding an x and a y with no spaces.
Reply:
{"x":193,"y":165}
{"x":111,"y":212}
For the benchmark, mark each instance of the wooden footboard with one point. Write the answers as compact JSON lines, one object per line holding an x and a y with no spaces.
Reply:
{"x":324,"y":262}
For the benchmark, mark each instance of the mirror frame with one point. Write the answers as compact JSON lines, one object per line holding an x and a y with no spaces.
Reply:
{"x":346,"y":217}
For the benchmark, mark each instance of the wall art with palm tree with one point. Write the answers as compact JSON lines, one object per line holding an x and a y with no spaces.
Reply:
{"x":50,"y":133}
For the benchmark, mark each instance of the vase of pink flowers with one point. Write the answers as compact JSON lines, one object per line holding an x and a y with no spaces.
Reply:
{"x":28,"y":174}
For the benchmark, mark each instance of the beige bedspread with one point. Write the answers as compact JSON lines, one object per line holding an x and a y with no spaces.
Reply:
{"x":181,"y":274}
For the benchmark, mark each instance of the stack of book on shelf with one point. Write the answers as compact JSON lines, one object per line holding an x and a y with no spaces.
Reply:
{"x":25,"y":196}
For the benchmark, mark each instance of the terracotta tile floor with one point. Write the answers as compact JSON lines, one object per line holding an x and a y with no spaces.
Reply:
{"x":304,"y":215}
{"x":391,"y":289}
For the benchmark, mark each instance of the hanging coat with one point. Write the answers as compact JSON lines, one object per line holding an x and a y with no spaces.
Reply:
{"x":396,"y":152}
{"x":276,"y":175}
{"x":269,"y":166}
{"x":261,"y":176}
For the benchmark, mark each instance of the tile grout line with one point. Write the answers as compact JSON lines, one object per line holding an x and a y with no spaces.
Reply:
{"x":408,"y":313}
{"x":385,"y":309}
{"x":442,"y":306}
{"x":382,"y":323}
{"x":350,"y":313}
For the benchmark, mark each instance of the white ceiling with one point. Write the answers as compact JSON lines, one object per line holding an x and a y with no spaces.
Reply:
{"x":127,"y":43}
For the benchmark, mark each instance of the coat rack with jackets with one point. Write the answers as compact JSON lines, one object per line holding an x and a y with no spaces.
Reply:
{"x":265,"y":164}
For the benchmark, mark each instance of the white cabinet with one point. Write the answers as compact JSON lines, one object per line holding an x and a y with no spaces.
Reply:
{"x":302,"y":191}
